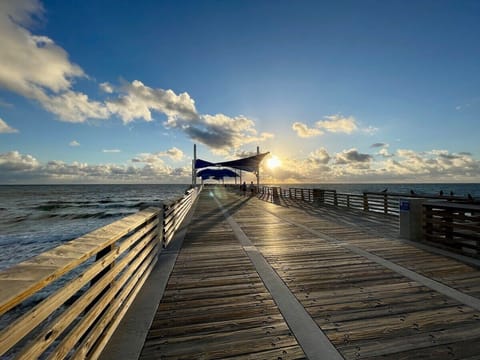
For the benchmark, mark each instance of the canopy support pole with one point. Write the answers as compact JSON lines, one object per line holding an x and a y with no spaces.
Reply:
{"x":258,"y":170}
{"x":194,"y":170}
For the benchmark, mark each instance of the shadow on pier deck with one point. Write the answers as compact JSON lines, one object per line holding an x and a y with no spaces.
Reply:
{"x":258,"y":280}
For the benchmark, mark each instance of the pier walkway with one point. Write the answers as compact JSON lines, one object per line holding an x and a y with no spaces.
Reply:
{"x":258,"y":280}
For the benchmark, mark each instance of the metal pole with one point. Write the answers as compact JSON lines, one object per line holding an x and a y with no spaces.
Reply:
{"x":194,"y":171}
{"x":258,"y":169}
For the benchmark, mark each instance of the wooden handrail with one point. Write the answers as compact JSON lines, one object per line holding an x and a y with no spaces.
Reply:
{"x":175,"y":213}
{"x":380,"y":202}
{"x":91,"y":282}
{"x":453,"y":226}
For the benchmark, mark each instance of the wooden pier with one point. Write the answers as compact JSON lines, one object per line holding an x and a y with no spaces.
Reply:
{"x":353,"y":290}
{"x":247,"y":278}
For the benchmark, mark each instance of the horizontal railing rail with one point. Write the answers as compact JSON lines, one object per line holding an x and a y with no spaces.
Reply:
{"x":175,"y":213}
{"x":379,"y":202}
{"x":455,"y":227}
{"x":68,"y":301}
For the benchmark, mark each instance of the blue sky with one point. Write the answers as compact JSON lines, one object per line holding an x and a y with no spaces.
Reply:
{"x":347,"y":91}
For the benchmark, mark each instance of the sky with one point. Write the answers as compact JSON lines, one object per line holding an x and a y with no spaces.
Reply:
{"x":116,"y":91}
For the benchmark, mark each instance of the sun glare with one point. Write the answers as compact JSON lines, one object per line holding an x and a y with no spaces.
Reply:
{"x":273,"y":162}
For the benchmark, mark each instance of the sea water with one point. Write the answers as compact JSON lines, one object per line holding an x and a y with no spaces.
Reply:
{"x":36,"y":218}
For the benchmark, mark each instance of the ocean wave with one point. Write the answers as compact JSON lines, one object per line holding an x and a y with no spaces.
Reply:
{"x":51,"y":207}
{"x":80,"y":216}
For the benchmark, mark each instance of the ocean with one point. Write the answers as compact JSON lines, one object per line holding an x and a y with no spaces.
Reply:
{"x":36,"y":218}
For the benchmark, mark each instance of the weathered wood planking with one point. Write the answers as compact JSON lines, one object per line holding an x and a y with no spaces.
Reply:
{"x":215,"y":304}
{"x":21,"y":281}
{"x":88,"y":317}
{"x":366,"y":310}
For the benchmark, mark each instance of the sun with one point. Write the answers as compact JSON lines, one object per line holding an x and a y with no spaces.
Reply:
{"x":273,"y":162}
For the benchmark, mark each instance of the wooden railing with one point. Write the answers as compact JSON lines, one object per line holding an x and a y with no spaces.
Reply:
{"x":379,"y":202}
{"x":455,"y":227}
{"x":450,"y":222}
{"x":175,"y":213}
{"x":87,"y":286}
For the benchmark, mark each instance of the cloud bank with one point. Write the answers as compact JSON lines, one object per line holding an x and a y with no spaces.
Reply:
{"x":349,"y":165}
{"x":402,"y":165}
{"x":17,"y":168}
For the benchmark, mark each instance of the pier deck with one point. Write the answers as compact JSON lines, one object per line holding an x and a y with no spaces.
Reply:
{"x":260,"y":280}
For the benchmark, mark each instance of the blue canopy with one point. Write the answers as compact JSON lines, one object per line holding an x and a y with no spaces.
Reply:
{"x":216,"y":174}
{"x":247,"y":164}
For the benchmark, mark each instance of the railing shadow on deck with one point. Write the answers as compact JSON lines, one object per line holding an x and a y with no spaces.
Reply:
{"x":68,"y":301}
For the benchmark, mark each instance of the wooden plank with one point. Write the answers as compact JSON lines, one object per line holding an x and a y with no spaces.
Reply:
{"x":215,"y":304}
{"x":56,"y":327}
{"x":39,"y":276}
{"x":67,"y":343}
{"x":103,"y":330}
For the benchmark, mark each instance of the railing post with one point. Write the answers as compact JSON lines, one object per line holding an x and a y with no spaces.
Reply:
{"x":316,"y":193}
{"x":427,"y":222}
{"x":448,"y":218}
{"x":164,"y":240}
{"x":385,"y":204}
{"x":365,"y":201}
{"x":335,"y":198}
{"x":161,"y":222}
{"x":348,"y":201}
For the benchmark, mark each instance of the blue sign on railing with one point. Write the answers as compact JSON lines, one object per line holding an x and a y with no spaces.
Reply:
{"x":404,"y":205}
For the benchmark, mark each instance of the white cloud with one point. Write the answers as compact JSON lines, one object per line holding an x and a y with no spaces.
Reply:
{"x":319,"y":156}
{"x":173,"y":153}
{"x":384,"y":152}
{"x":74,"y":143}
{"x":136,"y":101}
{"x":333,"y":124}
{"x":111,"y":150}
{"x":338,"y":123}
{"x":75,"y":107}
{"x":35,"y":67}
{"x":156,"y":158}
{"x":106,"y":87}
{"x":350,"y":166}
{"x":14,"y":161}
{"x":304,"y":131}
{"x":5,"y":128}
{"x":22,"y":168}
{"x":149,"y":158}
{"x":370,"y":130}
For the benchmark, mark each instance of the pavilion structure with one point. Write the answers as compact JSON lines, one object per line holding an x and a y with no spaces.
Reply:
{"x":220,"y":170}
